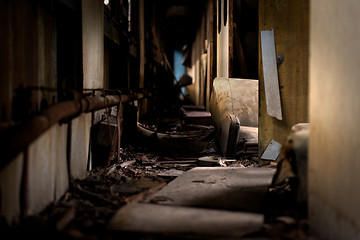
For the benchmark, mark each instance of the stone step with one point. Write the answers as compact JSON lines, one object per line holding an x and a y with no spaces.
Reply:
{"x":227,"y":188}
{"x":165,"y":222}
{"x":202,"y":203}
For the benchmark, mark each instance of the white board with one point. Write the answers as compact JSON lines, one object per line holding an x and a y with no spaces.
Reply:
{"x":271,"y":82}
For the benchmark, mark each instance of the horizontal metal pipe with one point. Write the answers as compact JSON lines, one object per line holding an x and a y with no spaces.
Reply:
{"x":13,"y":140}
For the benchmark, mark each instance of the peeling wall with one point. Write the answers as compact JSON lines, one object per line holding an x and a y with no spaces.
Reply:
{"x":93,"y":43}
{"x":92,"y":12}
{"x":47,"y":175}
{"x":79,"y":149}
{"x":39,"y":175}
{"x":334,"y":165}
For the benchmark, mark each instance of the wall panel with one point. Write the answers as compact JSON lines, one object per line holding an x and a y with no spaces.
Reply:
{"x":289,"y":20}
{"x":334,"y":161}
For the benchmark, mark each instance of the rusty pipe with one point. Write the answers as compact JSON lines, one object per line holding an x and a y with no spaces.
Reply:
{"x":15,"y":139}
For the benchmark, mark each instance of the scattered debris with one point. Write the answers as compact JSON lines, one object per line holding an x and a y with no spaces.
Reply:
{"x":135,"y":175}
{"x":128,"y":163}
{"x":272,"y":151}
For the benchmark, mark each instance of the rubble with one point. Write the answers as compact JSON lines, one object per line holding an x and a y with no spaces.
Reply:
{"x":141,"y":173}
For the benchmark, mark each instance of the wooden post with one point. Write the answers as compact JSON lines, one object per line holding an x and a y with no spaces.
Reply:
{"x":290,"y":22}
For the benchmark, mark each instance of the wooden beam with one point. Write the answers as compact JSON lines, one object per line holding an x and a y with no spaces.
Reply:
{"x":290,"y":22}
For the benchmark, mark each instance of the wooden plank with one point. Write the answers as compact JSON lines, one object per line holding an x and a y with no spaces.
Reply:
{"x":271,"y":80}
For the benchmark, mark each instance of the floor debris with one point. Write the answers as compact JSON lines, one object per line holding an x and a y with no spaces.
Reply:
{"x":227,"y":188}
{"x":149,"y":175}
{"x":272,"y":151}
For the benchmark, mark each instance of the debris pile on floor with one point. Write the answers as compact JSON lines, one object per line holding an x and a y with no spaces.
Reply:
{"x":175,"y":167}
{"x":89,"y":204}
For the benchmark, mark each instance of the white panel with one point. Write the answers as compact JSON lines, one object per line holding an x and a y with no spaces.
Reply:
{"x":271,"y":81}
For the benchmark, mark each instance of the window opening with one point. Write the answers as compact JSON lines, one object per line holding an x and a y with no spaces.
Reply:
{"x":179,"y":69}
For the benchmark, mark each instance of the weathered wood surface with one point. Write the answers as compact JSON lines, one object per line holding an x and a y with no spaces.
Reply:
{"x":290,"y":21}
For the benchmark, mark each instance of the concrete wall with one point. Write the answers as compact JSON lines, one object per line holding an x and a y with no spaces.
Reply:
{"x":29,"y":59}
{"x":28,"y":39}
{"x":92,"y":12}
{"x":47,"y":176}
{"x":46,"y":168}
{"x":334,"y":166}
{"x":93,"y":43}
{"x":80,"y":140}
{"x":44,"y":172}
